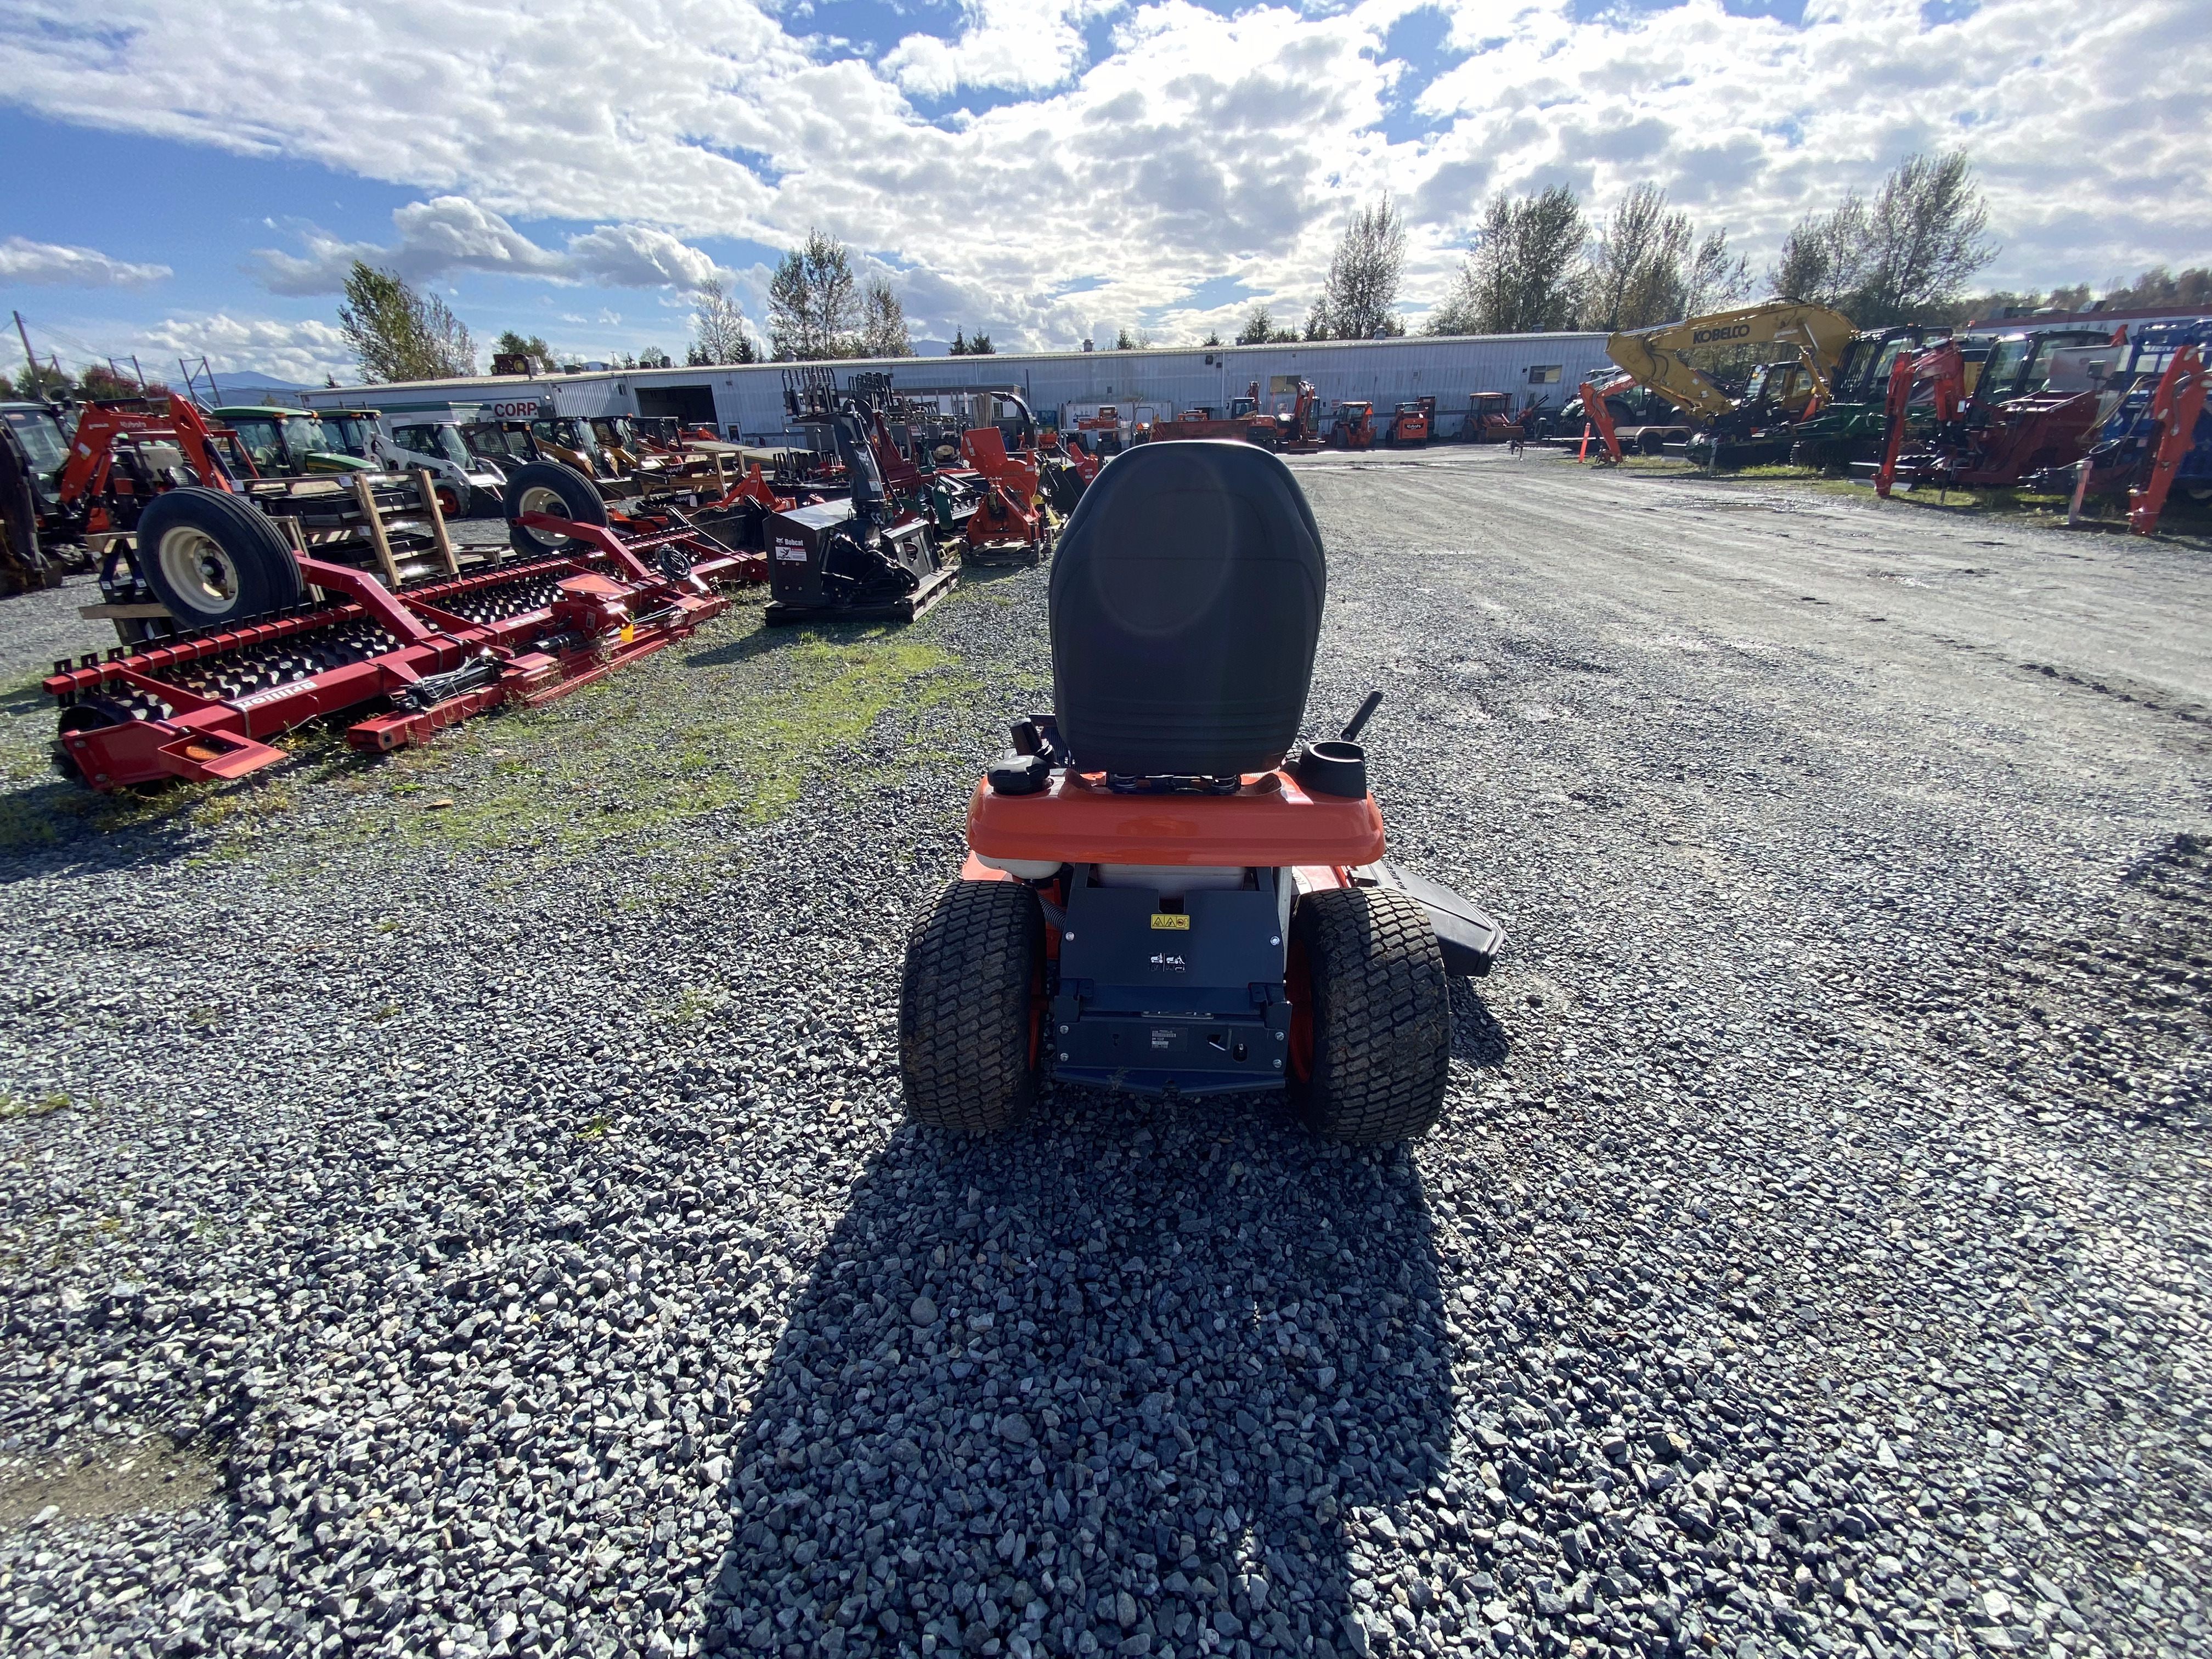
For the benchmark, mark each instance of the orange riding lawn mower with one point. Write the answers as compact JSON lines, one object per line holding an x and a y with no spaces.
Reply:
{"x":1165,"y":893}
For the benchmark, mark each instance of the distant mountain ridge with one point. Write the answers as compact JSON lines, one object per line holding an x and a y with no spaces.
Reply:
{"x":245,"y":379}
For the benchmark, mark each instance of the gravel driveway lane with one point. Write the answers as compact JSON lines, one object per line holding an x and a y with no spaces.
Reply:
{"x":458,"y":1204}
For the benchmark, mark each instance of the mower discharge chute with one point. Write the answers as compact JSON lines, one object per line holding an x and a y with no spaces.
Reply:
{"x":1158,"y":897}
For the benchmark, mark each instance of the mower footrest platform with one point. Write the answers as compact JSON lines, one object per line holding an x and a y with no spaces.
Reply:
{"x":1469,"y":936}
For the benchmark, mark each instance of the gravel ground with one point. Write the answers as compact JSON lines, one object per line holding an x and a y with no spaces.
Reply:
{"x":457,"y":1203}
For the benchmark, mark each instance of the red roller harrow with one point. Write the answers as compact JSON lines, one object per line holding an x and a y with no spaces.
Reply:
{"x":518,"y":633}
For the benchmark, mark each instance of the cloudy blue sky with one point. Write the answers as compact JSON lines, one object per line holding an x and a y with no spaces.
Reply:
{"x":188,"y":179}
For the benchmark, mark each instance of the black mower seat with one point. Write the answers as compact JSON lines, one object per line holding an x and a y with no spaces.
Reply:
{"x":1186,"y":606}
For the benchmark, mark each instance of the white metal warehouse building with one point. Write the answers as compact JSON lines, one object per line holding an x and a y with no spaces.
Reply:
{"x":746,"y":401}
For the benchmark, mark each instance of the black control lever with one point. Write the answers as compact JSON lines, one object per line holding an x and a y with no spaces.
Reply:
{"x":1351,"y":733}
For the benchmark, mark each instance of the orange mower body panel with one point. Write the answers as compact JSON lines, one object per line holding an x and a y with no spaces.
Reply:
{"x":1270,"y":823}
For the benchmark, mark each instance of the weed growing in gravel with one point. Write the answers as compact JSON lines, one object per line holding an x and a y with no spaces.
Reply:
{"x":692,"y":1003}
{"x":45,"y":1106}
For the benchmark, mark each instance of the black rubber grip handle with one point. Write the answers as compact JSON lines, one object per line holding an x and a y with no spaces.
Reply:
{"x":1350,"y":732}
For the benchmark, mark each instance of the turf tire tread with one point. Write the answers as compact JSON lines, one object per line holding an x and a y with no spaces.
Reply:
{"x":964,"y":1000}
{"x":1382,"y":1016}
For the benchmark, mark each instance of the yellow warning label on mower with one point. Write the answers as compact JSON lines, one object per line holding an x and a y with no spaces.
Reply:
{"x":628,"y":632}
{"x":1174,"y":924}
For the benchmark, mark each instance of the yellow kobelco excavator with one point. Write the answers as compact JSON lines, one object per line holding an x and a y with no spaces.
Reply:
{"x":1731,"y":431}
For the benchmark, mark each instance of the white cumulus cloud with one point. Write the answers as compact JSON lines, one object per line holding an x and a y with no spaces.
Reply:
{"x":451,"y":234}
{"x":23,"y":260}
{"x":1199,"y":146}
{"x":1019,"y":45}
{"x":307,"y":350}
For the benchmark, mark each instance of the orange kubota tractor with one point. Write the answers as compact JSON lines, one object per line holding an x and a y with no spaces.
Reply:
{"x":1491,"y":420}
{"x":1355,"y":425}
{"x":1411,"y":423}
{"x":1943,"y":366}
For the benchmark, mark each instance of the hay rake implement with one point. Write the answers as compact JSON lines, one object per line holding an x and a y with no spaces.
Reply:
{"x":204,"y":705}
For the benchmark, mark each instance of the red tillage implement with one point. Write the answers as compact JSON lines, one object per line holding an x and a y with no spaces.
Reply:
{"x":520,"y":633}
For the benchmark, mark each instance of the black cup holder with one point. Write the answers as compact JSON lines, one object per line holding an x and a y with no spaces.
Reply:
{"x":1333,"y":768}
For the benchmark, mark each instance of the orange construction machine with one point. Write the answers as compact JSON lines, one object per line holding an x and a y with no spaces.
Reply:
{"x":1413,"y":422}
{"x":1295,"y":428}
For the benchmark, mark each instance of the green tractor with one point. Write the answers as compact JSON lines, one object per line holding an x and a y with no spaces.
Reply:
{"x":1849,"y":428}
{"x":288,"y":443}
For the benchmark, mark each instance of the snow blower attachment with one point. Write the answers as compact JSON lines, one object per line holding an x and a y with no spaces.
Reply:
{"x":850,"y":560}
{"x":1165,"y":892}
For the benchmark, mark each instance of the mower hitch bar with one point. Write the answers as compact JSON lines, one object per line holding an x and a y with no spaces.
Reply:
{"x":518,"y":633}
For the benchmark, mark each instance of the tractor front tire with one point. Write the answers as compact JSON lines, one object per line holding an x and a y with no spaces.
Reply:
{"x":970,"y":1005}
{"x":1371,"y":1049}
{"x":213,"y":559}
{"x":557,"y":490}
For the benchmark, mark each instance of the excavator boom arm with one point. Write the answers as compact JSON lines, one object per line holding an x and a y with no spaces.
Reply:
{"x":1660,"y":357}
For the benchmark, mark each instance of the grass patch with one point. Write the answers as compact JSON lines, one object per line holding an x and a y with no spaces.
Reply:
{"x":43,"y":1106}
{"x":743,"y":722}
{"x":693,"y":1004}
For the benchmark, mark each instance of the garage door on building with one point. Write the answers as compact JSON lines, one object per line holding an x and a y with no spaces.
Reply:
{"x":693,"y":405}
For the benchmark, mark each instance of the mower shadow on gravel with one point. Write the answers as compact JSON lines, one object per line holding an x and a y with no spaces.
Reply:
{"x":1477,"y":1038}
{"x":1128,"y":1373}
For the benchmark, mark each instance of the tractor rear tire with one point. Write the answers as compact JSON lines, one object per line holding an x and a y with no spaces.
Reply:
{"x":213,"y":559}
{"x":970,"y":1002}
{"x":1372,"y":1049}
{"x":557,"y":489}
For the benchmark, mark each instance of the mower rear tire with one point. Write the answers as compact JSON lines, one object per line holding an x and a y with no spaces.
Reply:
{"x":969,"y":1002}
{"x":1376,"y":1035}
{"x":213,"y":559}
{"x":555,"y":488}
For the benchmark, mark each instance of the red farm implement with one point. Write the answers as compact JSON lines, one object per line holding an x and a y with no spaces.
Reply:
{"x":205,"y":704}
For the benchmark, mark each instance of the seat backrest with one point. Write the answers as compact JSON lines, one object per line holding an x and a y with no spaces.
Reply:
{"x":1186,"y":606}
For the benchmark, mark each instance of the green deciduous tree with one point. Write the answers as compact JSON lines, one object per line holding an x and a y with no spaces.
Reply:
{"x":883,"y":323}
{"x":531,"y":347}
{"x":397,"y":334}
{"x":1359,"y":296}
{"x":813,"y":302}
{"x":1524,"y":275}
{"x":1650,"y":266}
{"x":1906,"y":256}
{"x":2191,"y":291}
